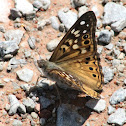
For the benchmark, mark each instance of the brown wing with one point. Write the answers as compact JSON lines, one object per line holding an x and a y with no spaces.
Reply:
{"x":79,"y":40}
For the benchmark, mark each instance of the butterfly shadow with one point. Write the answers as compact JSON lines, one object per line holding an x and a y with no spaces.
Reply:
{"x":69,"y":97}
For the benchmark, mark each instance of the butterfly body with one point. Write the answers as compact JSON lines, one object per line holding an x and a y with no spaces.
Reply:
{"x":75,"y":60}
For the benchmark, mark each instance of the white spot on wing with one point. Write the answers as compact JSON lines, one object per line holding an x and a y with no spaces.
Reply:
{"x":84,"y":31}
{"x":87,"y":25}
{"x":76,"y":41}
{"x":75,"y":46}
{"x":76,"y":32}
{"x":82,"y":22}
{"x":77,"y":35}
{"x":72,"y":31}
{"x":83,"y":50}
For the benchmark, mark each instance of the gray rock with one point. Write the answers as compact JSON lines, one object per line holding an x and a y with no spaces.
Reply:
{"x":22,"y":109}
{"x":113,"y":12}
{"x":54,"y":22}
{"x":125,"y":81}
{"x":7,"y":107}
{"x":109,"y":46}
{"x":116,"y":62}
{"x":119,"y":25}
{"x":121,"y":68}
{"x":2,"y":29}
{"x":31,"y":42}
{"x":29,"y":104}
{"x":42,"y":121}
{"x":68,"y":116}
{"x":121,"y":56}
{"x":45,"y":4}
{"x":63,"y":15}
{"x":105,"y":37}
{"x":44,"y":83}
{"x":95,"y":9}
{"x":34,"y":115}
{"x":45,"y":102}
{"x":111,"y":109}
{"x":62,"y":27}
{"x":14,"y":104}
{"x":42,"y":24}
{"x":82,"y":10}
{"x":52,"y":45}
{"x":108,"y":74}
{"x":8,"y":47}
{"x":37,"y":4}
{"x":122,"y":35}
{"x":97,"y":105}
{"x":118,"y":96}
{"x":25,"y":75}
{"x":15,"y":13}
{"x":17,"y":122}
{"x":25,"y":87}
{"x":15,"y":86}
{"x":78,"y":3}
{"x":15,"y":35}
{"x":99,"y":50}
{"x":119,"y":117}
{"x":24,"y":6}
{"x":27,"y":54}
{"x":116,"y":52}
{"x":1,"y":66}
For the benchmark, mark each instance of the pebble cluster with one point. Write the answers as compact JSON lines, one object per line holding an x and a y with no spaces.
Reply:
{"x":29,"y":101}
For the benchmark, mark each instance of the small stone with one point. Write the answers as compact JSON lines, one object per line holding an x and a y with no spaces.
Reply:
{"x":97,"y":105}
{"x":25,"y":75}
{"x":119,"y":117}
{"x":7,"y":107}
{"x":24,"y":6}
{"x":111,"y":109}
{"x":29,"y":104}
{"x":118,"y":96}
{"x":14,"y":104}
{"x":42,"y":24}
{"x":44,"y":83}
{"x":109,"y":46}
{"x":15,"y":13}
{"x":63,"y":15}
{"x":116,"y":62}
{"x":34,"y":115}
{"x":2,"y":29}
{"x":116,"y":52}
{"x":22,"y":109}
{"x":62,"y":27}
{"x":17,"y":122}
{"x":122,"y":35}
{"x":25,"y":87}
{"x":125,"y":81}
{"x":99,"y":50}
{"x":45,"y":4}
{"x":54,"y":22}
{"x":121,"y":56}
{"x":27,"y":54}
{"x":113,"y":12}
{"x":108,"y":74}
{"x":82,"y":10}
{"x":37,"y":4}
{"x":119,"y":25}
{"x":105,"y":37}
{"x":121,"y":68}
{"x":42,"y":121}
{"x":52,"y":45}
{"x":78,"y":3}
{"x":1,"y":66}
{"x":31,"y":42}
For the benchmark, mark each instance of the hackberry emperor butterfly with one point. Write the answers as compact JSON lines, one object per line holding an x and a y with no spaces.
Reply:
{"x":75,"y":59}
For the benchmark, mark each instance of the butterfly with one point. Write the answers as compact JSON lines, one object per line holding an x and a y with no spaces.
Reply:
{"x":75,"y":60}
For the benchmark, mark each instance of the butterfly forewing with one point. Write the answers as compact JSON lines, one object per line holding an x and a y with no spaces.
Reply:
{"x":76,"y":57}
{"x":79,"y":40}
